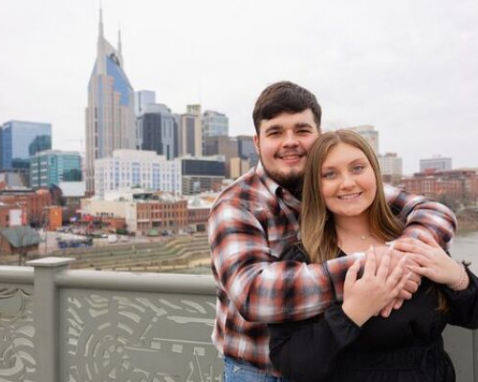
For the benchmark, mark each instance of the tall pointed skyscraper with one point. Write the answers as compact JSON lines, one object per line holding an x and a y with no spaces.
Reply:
{"x":110,"y":121}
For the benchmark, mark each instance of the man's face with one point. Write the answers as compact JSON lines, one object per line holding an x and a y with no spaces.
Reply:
{"x":283,"y":144}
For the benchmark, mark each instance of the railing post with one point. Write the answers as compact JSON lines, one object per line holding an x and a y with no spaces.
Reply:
{"x":47,"y":316}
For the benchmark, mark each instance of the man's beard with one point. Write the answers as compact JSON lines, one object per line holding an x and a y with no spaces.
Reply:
{"x":292,"y":182}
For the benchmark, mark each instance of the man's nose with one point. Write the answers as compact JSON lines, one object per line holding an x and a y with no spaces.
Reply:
{"x":290,"y":139}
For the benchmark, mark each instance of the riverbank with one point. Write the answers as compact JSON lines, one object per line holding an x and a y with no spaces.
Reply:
{"x":467,"y":221}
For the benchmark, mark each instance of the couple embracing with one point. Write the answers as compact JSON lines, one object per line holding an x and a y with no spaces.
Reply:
{"x":322,"y":272}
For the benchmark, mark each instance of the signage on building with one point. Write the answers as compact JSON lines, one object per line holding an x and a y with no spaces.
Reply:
{"x":15,"y":217}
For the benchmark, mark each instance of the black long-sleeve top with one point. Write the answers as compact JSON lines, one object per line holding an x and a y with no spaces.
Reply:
{"x":406,"y":347}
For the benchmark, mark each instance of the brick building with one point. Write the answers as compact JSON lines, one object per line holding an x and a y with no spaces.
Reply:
{"x":11,"y":215}
{"x":461,"y":186}
{"x":142,"y":212}
{"x":162,"y":214}
{"x":34,"y":203}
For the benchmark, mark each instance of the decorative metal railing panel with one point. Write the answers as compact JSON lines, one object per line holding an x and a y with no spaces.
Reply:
{"x":17,"y":331}
{"x":113,"y":336}
{"x":61,"y":325}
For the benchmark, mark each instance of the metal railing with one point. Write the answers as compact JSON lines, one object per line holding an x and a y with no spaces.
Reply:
{"x":58,"y":324}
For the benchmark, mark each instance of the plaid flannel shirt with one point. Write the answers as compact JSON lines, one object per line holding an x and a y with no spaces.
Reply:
{"x":250,"y":224}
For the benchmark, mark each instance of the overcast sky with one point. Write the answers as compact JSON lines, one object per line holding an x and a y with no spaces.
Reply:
{"x":408,"y":67}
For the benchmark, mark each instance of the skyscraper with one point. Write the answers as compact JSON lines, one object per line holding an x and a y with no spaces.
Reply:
{"x":214,"y":124}
{"x":20,"y":140}
{"x":246,"y":150}
{"x":190,"y":132}
{"x":159,"y":130}
{"x":142,"y":99}
{"x":110,"y":121}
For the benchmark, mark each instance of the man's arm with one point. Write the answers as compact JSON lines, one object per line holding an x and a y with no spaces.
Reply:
{"x":422,"y":215}
{"x":262,"y":288}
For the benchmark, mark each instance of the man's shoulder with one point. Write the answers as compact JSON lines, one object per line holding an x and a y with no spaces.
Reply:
{"x":246,"y":191}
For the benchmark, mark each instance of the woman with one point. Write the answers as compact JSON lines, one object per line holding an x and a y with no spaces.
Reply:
{"x":344,"y":211}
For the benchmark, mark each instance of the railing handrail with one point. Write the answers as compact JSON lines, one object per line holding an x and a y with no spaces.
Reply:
{"x":138,"y":281}
{"x":16,"y":274}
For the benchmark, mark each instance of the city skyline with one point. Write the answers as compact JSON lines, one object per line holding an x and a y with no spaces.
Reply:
{"x":407,"y":69}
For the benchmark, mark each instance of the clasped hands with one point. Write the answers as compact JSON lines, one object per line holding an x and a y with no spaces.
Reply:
{"x":392,"y":274}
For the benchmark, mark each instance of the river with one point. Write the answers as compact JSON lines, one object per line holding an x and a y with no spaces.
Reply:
{"x":465,"y":247}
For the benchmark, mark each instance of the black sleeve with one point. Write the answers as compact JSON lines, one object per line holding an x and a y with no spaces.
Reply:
{"x":309,"y":350}
{"x":463,"y":304}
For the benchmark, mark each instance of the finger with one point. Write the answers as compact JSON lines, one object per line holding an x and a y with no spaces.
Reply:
{"x":410,"y":247}
{"x":370,"y":264}
{"x":408,"y":240}
{"x":396,"y":275}
{"x":351,"y":275}
{"x":415,"y":277}
{"x":400,"y":287}
{"x":398,"y":303}
{"x":404,"y":294}
{"x":411,"y":286}
{"x":420,"y":259}
{"x":385,"y":312}
{"x":422,"y":271}
{"x":428,"y":239}
{"x":382,"y":271}
{"x":398,"y":253}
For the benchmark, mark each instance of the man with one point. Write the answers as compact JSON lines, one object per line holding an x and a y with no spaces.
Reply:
{"x":257,"y":217}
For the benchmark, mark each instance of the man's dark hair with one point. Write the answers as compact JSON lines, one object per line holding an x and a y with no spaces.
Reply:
{"x":285,"y":97}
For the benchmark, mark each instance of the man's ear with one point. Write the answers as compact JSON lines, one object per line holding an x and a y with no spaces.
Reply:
{"x":256,"y":144}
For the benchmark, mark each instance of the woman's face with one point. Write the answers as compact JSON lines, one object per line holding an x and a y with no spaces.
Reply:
{"x":348,"y":181}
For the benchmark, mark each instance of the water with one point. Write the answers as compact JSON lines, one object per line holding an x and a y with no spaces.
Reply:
{"x":465,"y":247}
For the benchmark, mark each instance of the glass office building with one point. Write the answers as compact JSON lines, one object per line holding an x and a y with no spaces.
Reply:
{"x":51,"y":167}
{"x":159,"y":130}
{"x":20,"y":140}
{"x":110,"y":120}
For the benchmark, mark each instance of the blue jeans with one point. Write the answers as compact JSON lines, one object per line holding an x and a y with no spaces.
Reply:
{"x":238,"y":371}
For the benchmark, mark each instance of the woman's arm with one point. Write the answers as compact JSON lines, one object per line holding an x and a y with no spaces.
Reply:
{"x":463,"y":303}
{"x":457,"y":282}
{"x":309,"y":350}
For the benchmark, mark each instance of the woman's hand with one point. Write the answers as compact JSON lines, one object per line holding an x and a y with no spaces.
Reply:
{"x":366,"y":296}
{"x":433,"y":262}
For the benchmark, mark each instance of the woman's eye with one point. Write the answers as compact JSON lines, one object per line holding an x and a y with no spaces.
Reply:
{"x":357,"y":169}
{"x":329,"y":175}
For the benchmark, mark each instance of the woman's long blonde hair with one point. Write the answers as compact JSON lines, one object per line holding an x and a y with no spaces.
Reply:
{"x":317,"y":229}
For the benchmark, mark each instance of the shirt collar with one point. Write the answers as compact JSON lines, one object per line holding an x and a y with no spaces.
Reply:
{"x":275,"y":189}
